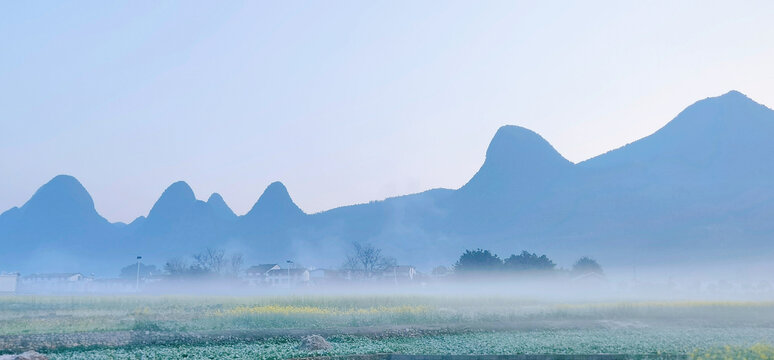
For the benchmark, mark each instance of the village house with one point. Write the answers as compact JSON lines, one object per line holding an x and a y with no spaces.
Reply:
{"x":259,"y":274}
{"x":8,"y":283}
{"x":52,"y":283}
{"x":53,"y":278}
{"x":288,"y":277}
{"x":355,"y":275}
{"x":399,"y":273}
{"x":324,"y":276}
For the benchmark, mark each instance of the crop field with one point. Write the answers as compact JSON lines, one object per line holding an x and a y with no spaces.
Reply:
{"x":200,"y":327}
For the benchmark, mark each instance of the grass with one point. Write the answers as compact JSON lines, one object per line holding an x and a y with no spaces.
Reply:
{"x":56,"y":314}
{"x":480,"y":325}
{"x":757,"y":351}
{"x":36,"y":315}
{"x":698,"y":344}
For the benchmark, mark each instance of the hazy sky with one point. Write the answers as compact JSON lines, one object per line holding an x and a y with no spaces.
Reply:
{"x":345,"y":101}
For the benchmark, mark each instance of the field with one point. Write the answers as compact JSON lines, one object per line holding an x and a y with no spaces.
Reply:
{"x":194,"y":327}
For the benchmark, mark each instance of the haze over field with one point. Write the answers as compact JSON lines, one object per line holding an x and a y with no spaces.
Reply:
{"x":695,"y":193}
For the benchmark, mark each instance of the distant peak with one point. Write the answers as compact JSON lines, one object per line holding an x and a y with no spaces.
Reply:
{"x":63,"y":187}
{"x":276,"y":192}
{"x":63,"y":195}
{"x":276,"y":187}
{"x":180,"y":186}
{"x":219,"y":205}
{"x":215,"y":198}
{"x":515,"y":132}
{"x":731,"y":97}
{"x":180,"y":191}
{"x":64,"y":179}
{"x":517,"y":157}
{"x":63,"y":183}
{"x":275,"y":198}
{"x":732,"y":110}
{"x":176,"y":196}
{"x":703,"y":132}
{"x":734,"y":93}
{"x":516,"y":143}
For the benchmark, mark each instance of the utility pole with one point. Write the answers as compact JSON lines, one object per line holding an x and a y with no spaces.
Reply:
{"x":290,"y":262}
{"x":137,"y":284}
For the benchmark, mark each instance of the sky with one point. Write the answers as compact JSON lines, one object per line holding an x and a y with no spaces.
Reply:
{"x":345,"y":101}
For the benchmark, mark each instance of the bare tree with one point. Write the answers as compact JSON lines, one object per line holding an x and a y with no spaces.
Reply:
{"x":368,"y":258}
{"x":237,"y":260}
{"x":211,"y":260}
{"x":350,"y":263}
{"x":386,"y":262}
{"x":176,"y":266}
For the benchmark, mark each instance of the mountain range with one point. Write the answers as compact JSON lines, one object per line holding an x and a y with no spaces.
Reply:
{"x":696,"y":191}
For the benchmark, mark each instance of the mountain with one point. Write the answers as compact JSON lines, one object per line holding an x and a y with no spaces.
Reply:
{"x":272,"y":222}
{"x":711,"y":132}
{"x":700,"y":181}
{"x":59,"y":221}
{"x":62,"y":202}
{"x":516,"y":159}
{"x":520,"y":170}
{"x":175,"y":203}
{"x":219,"y":208}
{"x":179,"y":218}
{"x":696,"y":191}
{"x":274,"y":205}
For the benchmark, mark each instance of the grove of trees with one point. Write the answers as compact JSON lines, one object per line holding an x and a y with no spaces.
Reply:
{"x":130,"y":271}
{"x":586,"y":265}
{"x":210,"y":262}
{"x":484,"y":261}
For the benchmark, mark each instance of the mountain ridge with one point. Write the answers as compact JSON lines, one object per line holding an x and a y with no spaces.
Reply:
{"x":686,"y":184}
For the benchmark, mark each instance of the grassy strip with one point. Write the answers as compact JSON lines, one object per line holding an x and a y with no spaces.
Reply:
{"x":652,"y":343}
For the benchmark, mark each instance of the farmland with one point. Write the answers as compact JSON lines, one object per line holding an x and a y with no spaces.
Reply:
{"x":160,"y":327}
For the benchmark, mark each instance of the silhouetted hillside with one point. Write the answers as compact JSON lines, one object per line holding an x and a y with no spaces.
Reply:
{"x":698,"y":190}
{"x":178,"y":218}
{"x":58,"y":222}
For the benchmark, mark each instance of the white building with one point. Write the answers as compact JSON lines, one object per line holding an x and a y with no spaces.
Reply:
{"x":54,"y":278}
{"x":55,"y":283}
{"x":8,"y":283}
{"x":288,"y":277}
{"x":399,"y":273}
{"x":259,"y":274}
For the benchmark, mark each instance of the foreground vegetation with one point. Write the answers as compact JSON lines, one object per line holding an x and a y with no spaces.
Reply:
{"x":268,"y":327}
{"x":654,"y":344}
{"x":67,"y":314}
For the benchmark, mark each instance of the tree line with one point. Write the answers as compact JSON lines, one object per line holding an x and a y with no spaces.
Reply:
{"x":210,"y":262}
{"x":484,"y":261}
{"x":368,"y":260}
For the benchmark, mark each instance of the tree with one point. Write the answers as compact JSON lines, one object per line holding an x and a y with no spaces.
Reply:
{"x":586,"y":265}
{"x":529,"y":262}
{"x":130,"y":271}
{"x":237,"y":260}
{"x":368,"y":258}
{"x":210,"y":260}
{"x":477,"y":261}
{"x":176,"y":267}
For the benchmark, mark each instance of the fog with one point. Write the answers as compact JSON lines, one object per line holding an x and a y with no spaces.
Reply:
{"x":734,"y":282}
